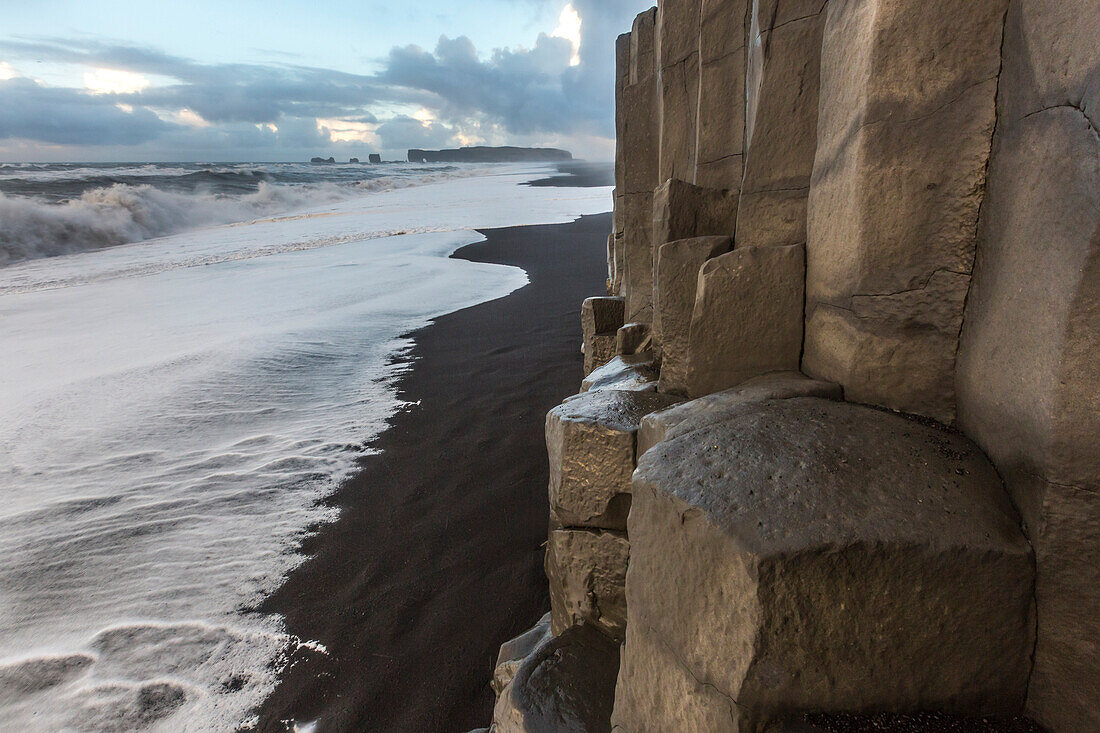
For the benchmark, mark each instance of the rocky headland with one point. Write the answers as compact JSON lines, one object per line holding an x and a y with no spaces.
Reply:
{"x":835,"y":462}
{"x":482,"y":154}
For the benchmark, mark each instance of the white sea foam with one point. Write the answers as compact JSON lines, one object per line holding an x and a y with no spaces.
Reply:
{"x":33,"y":227}
{"x":172,"y":411}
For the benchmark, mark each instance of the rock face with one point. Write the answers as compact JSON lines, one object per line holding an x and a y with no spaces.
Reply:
{"x":747,"y":318}
{"x":897,"y":186}
{"x":512,"y":653}
{"x":683,"y":211}
{"x":1028,"y":374}
{"x":817,"y":555}
{"x":591,"y":443}
{"x":566,"y":685}
{"x":784,"y":52}
{"x":587,"y":574}
{"x":720,"y":121}
{"x":677,"y":276}
{"x":601,"y":319}
{"x":638,"y":146}
{"x":678,"y":60}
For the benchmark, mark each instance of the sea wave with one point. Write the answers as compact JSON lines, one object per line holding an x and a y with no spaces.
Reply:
{"x":33,"y":227}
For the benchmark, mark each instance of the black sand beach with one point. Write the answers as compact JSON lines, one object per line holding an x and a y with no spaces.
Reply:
{"x":436,"y":557}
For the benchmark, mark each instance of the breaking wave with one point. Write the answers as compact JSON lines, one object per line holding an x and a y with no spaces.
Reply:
{"x":32,"y":227}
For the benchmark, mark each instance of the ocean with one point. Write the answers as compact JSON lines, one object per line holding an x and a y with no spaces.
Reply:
{"x":191,"y":358}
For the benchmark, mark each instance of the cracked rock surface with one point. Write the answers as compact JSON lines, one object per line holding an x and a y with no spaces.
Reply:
{"x":811,"y":554}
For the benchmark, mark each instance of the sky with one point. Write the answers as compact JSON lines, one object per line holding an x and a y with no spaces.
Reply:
{"x":284,"y":80}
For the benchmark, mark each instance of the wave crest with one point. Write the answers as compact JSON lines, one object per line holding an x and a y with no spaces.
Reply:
{"x":32,"y":228}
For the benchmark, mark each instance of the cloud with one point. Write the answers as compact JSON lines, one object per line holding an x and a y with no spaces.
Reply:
{"x":402,"y":132}
{"x":31,"y":111}
{"x":557,"y":90}
{"x":520,"y":90}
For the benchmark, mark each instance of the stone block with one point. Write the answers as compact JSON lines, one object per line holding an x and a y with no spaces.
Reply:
{"x":631,"y":338}
{"x":590,"y":440}
{"x":513,"y":652}
{"x":600,"y":320}
{"x":631,"y":373}
{"x":682,"y":210}
{"x":747,"y":318}
{"x":602,"y":315}
{"x":907,"y":113}
{"x":820,"y":555}
{"x":587,"y":574}
{"x":566,"y":685}
{"x":677,"y":276}
{"x":715,"y":408}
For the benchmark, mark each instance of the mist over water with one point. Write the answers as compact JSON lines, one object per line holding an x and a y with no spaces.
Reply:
{"x":172,"y":411}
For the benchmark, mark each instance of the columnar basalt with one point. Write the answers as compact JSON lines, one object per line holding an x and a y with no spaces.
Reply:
{"x":678,"y":61}
{"x":637,"y":165}
{"x":907,"y":117}
{"x":720,"y":117}
{"x":822,"y":203}
{"x":784,"y":53}
{"x":1028,"y":376}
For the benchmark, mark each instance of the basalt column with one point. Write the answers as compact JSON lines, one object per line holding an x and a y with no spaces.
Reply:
{"x":784,"y":49}
{"x":906,"y":120}
{"x":637,"y":159}
{"x":678,"y":54}
{"x":720,"y":125}
{"x":1028,"y":375}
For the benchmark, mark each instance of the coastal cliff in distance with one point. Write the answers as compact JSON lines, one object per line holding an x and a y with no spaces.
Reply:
{"x":481,"y":154}
{"x":834,"y":465}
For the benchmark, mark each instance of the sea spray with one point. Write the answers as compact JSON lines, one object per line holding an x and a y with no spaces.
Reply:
{"x":47,"y":211}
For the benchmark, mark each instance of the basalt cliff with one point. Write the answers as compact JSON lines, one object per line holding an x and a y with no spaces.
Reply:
{"x":837,"y":453}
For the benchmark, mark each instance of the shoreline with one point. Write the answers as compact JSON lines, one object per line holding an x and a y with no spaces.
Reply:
{"x":436,"y":555}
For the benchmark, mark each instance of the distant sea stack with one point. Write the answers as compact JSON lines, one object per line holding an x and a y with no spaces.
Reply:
{"x":322,"y":160}
{"x":834,"y":465}
{"x":375,"y":158}
{"x":488,"y":155}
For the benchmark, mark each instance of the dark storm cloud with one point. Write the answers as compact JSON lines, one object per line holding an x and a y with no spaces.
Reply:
{"x":31,"y":111}
{"x":521,"y":90}
{"x":406,"y":132}
{"x":514,"y":91}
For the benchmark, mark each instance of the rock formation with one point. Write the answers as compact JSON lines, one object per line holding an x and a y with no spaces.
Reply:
{"x":861,"y":239}
{"x":374,"y":158}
